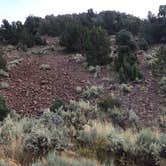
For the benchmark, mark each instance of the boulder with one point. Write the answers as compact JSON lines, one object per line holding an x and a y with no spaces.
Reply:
{"x":78,"y":89}
{"x":10,"y":48}
{"x":14,"y":63}
{"x":4,"y":73}
{"x":4,"y":85}
{"x":45,"y":67}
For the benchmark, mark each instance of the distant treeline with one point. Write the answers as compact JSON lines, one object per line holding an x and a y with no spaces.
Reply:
{"x":153,"y":29}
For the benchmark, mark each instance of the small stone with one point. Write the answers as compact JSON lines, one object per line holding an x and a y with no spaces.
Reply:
{"x":16,"y":61}
{"x":13,"y":63}
{"x":45,"y":67}
{"x":78,"y":89}
{"x":126,"y":88}
{"x":4,"y":85}
{"x":3,"y":73}
{"x":44,"y":82}
{"x":10,"y":48}
{"x":92,"y":69}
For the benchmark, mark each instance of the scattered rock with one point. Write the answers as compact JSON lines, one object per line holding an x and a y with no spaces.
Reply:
{"x":42,"y":52}
{"x":4,"y":85}
{"x":14,"y":63}
{"x":44,"y":110}
{"x":108,"y":79}
{"x":44,"y":82}
{"x":126,"y":88}
{"x":92,"y":69}
{"x":35,"y":52}
{"x":10,"y":48}
{"x":45,"y":67}
{"x":49,"y":48}
{"x":4,"y":73}
{"x":78,"y":58}
{"x":78,"y":89}
{"x":39,"y":52}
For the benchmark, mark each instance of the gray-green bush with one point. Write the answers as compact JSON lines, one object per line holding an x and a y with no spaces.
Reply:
{"x":54,"y":159}
{"x":148,"y":149}
{"x":4,"y":111}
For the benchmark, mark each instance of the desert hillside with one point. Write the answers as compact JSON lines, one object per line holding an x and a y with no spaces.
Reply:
{"x":84,"y":89}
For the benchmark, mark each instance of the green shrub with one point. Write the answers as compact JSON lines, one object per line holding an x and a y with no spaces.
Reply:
{"x":60,"y":138}
{"x":37,"y":164}
{"x":163,"y":145}
{"x":21,"y":46}
{"x":160,"y":63}
{"x":39,"y":41}
{"x":11,"y":130}
{"x":3,"y":163}
{"x":57,"y":104}
{"x":117,"y":116}
{"x":162,"y":84}
{"x":75,"y":118}
{"x":54,"y":159}
{"x":28,"y":125}
{"x":94,"y":43}
{"x":4,"y":111}
{"x":162,"y":119}
{"x":87,"y":137}
{"x":121,"y":148}
{"x":109,"y":102}
{"x":37,"y":142}
{"x":92,"y":91}
{"x":116,"y":142}
{"x":148,"y":156}
{"x":146,"y":138}
{"x":148,"y":149}
{"x":73,"y":37}
{"x":46,"y":133}
{"x":93,"y":143}
{"x":143,"y":44}
{"x":134,"y":119}
{"x":50,"y":119}
{"x":97,"y":47}
{"x":125,"y":38}
{"x":58,"y":126}
{"x":2,"y":62}
{"x":127,"y":64}
{"x":27,"y":39}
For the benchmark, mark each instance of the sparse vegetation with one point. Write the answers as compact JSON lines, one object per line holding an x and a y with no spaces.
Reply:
{"x":126,"y":62}
{"x":58,"y":103}
{"x":97,"y":47}
{"x":109,"y":102}
{"x":163,"y":84}
{"x":92,"y":42}
{"x":159,"y":66}
{"x":142,"y":44}
{"x":62,"y":161}
{"x":3,"y":109}
{"x":92,"y":92}
{"x":2,"y":62}
{"x":105,"y":96}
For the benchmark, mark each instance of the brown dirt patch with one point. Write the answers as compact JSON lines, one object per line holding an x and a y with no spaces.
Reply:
{"x":32,"y":89}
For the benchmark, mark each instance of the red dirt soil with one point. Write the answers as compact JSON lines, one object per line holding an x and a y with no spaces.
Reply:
{"x":32,"y":89}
